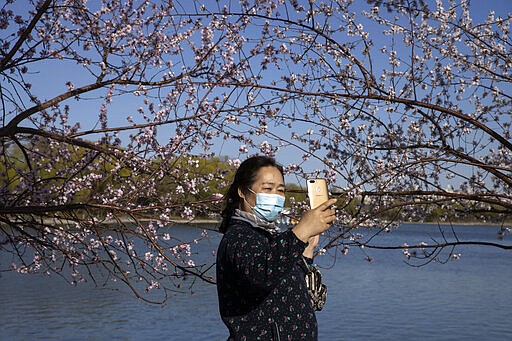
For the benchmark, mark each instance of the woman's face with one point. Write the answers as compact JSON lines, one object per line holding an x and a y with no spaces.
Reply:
{"x":268,"y":180}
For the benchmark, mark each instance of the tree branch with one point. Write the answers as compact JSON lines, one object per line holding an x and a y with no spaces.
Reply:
{"x":41,"y":10}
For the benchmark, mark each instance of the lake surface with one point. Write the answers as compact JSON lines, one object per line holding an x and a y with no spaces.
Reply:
{"x":467,"y":299}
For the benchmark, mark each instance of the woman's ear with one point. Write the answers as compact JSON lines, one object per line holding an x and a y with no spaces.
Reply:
{"x":241,"y":194}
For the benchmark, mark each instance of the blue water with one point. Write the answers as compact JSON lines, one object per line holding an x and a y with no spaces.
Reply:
{"x":467,"y":299}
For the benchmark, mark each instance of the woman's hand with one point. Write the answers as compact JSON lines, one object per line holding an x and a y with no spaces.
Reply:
{"x":315,"y":221}
{"x":310,"y":249}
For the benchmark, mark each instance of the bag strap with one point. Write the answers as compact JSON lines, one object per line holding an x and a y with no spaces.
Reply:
{"x":313,"y":276}
{"x":306,"y":265}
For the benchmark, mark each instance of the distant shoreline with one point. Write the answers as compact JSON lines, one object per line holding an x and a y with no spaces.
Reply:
{"x":212,"y":224}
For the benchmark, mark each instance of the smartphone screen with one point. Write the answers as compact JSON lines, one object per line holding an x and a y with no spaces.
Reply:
{"x":317,"y":192}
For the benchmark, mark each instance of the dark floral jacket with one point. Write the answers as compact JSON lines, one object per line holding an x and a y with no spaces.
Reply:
{"x":261,"y":288}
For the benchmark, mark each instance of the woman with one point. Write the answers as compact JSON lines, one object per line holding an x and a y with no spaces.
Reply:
{"x":261,"y":287}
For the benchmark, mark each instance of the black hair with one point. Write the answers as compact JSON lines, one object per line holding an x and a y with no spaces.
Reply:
{"x":245,"y":177}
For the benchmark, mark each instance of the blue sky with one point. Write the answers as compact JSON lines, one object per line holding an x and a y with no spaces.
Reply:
{"x":48,"y":79}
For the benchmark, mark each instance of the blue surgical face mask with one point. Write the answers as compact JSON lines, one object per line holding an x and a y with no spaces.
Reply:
{"x":268,"y":206}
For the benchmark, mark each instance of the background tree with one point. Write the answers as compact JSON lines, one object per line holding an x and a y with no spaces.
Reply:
{"x":109,"y":109}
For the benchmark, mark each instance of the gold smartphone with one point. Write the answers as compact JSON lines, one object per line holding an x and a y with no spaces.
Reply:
{"x":317,"y":192}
